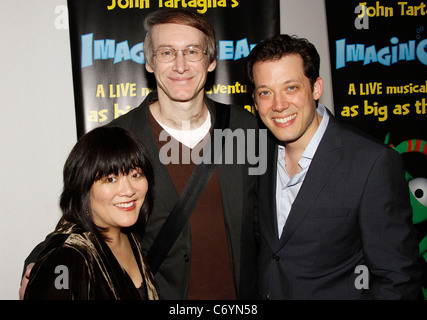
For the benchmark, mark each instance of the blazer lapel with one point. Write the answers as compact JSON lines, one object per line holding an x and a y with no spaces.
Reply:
{"x":322,"y":165}
{"x":267,"y":194}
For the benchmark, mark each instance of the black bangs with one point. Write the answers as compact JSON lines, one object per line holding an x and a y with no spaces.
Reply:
{"x":99,"y":153}
{"x":124,"y":159}
{"x":113,"y":152}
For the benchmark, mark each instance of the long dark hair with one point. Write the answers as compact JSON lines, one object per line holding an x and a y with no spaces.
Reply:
{"x":99,"y":153}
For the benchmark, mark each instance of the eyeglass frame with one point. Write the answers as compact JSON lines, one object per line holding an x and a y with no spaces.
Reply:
{"x":204,"y":52}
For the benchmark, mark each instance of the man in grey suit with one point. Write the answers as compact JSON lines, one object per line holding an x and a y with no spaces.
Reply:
{"x":334,"y":209}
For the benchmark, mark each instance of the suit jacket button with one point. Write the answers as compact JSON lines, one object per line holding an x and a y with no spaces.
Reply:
{"x":276,"y":257}
{"x":186,"y":258}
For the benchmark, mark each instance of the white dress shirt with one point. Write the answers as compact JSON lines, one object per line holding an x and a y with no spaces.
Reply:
{"x":287,"y":188}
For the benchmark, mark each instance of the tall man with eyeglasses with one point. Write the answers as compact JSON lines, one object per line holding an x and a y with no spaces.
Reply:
{"x":214,"y":256}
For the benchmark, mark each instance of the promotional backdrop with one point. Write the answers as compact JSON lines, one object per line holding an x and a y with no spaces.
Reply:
{"x":108,"y":60}
{"x":378,"y":55}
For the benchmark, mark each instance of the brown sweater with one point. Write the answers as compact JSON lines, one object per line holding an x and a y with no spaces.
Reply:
{"x":210,"y":271}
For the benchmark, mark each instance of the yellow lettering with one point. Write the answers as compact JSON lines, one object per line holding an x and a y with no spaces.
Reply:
{"x":349,"y":111}
{"x":145,"y":91}
{"x":118,"y":112}
{"x":380,"y":112}
{"x":250,"y":108}
{"x":102,"y":115}
{"x":401,"y":110}
{"x":100,"y":91}
{"x":98,"y":116}
{"x":421,"y":106}
{"x":129,"y":4}
{"x":112,"y":6}
{"x":351,"y":89}
{"x":406,"y":10}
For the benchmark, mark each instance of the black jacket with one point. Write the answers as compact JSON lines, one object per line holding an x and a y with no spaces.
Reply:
{"x":238,"y":191}
{"x":351,"y":212}
{"x":239,"y":200}
{"x":75,"y":264}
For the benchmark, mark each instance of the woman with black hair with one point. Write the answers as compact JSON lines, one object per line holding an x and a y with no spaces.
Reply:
{"x":94,"y":252}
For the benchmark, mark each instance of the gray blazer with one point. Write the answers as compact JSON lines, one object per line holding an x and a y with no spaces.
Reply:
{"x":352,"y":209}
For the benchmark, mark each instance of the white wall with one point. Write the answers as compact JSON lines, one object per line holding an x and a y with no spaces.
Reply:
{"x":307,"y":19}
{"x":37,"y":129}
{"x":37,"y":120}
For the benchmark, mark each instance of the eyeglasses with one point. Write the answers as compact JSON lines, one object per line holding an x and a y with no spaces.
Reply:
{"x":166,"y":54}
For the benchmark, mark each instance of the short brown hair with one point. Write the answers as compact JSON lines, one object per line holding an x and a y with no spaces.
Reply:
{"x":184,"y":16}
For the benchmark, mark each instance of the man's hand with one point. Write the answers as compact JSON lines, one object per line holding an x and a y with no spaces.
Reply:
{"x":24,"y":281}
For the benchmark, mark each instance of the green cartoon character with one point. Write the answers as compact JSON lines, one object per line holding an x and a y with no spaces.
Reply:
{"x":418,"y":197}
